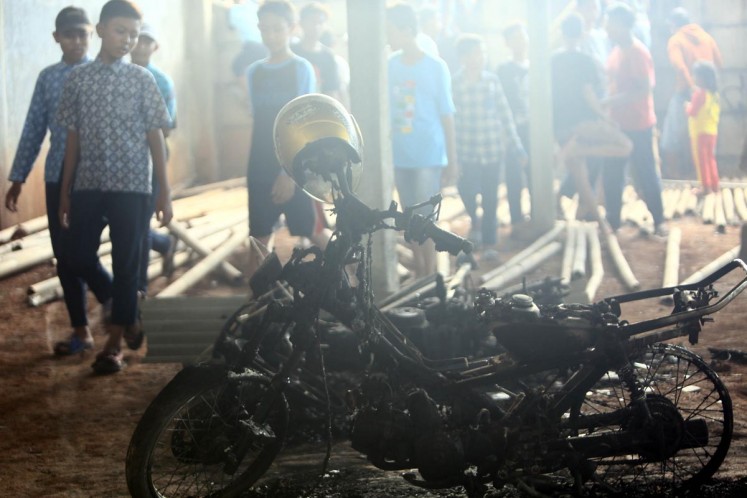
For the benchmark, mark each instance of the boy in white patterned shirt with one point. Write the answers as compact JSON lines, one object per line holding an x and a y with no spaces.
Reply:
{"x":114,"y":115}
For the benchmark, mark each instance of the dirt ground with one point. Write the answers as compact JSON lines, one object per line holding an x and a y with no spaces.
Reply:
{"x":64,"y":432}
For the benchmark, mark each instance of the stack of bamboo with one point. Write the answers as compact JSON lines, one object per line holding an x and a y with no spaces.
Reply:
{"x":210,"y":223}
{"x":724,"y":208}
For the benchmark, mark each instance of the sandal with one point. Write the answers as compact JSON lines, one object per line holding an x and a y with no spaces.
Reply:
{"x":134,"y":334}
{"x":72,"y":346}
{"x":108,"y":362}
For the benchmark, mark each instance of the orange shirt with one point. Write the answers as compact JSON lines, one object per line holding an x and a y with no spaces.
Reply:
{"x":688,"y":45}
{"x":628,"y":69}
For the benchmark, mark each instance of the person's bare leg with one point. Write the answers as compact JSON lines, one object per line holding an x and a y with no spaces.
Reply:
{"x":114,"y":341}
{"x":424,"y":258}
{"x":575,"y":164}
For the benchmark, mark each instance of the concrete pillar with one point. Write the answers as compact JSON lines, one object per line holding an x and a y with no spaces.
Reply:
{"x":540,"y":115}
{"x":4,"y":148}
{"x":198,"y":38}
{"x":369,"y":102}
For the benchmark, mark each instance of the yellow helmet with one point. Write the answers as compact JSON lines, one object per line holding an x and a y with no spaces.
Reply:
{"x":316,"y":137}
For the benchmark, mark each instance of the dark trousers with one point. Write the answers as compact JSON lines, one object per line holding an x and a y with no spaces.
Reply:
{"x":151,"y":240}
{"x":645,"y":177}
{"x":73,"y":287}
{"x":125,"y":213}
{"x":515,"y":173}
{"x":481,"y":179}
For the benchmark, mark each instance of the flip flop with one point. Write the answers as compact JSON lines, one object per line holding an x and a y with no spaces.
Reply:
{"x":72,"y":346}
{"x":108,"y":362}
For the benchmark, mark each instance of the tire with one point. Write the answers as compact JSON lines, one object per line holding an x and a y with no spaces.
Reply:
{"x":182,"y":443}
{"x":671,"y":376}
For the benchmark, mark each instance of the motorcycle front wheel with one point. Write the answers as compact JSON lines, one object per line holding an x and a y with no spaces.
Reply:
{"x":186,"y":443}
{"x":676,"y":381}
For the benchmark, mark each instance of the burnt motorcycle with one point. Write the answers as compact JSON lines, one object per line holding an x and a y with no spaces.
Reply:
{"x":580,"y":398}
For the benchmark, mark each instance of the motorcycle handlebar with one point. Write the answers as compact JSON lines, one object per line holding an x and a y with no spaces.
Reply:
{"x":421,"y":228}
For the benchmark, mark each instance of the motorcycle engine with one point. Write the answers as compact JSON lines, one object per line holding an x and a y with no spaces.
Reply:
{"x":406,"y":433}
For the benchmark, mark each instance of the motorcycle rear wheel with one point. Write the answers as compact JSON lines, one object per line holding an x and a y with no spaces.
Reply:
{"x":184,"y":440}
{"x":683,"y":379}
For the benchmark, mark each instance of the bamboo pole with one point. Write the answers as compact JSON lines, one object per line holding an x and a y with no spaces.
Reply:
{"x":740,"y":206}
{"x":533,"y":247}
{"x":526,"y":202}
{"x":683,"y":203}
{"x":458,"y":279}
{"x":197,"y":272}
{"x":595,"y":257}
{"x":50,"y":289}
{"x":712,"y":266}
{"x":525,"y":266}
{"x":686,"y":183}
{"x":729,"y":209}
{"x":719,"y":218}
{"x":671,"y":205}
{"x":210,"y":236}
{"x":27,"y":227}
{"x":709,"y":207}
{"x":183,"y":234}
{"x":621,"y":264}
{"x":672,"y":260}
{"x":692,"y":203}
{"x":224,"y":184}
{"x":579,"y":254}
{"x":25,"y":243}
{"x":568,"y":253}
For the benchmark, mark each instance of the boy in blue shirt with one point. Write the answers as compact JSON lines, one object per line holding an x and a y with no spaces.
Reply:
{"x":273,"y":82}
{"x":422,"y":116}
{"x":147,"y":44}
{"x":114,"y":115}
{"x":72,"y":33}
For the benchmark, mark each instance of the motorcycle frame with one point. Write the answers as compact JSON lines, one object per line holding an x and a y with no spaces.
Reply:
{"x":471,"y":379}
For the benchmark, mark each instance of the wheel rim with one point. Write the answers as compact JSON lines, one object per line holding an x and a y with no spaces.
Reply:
{"x":683,"y":379}
{"x":190,"y":453}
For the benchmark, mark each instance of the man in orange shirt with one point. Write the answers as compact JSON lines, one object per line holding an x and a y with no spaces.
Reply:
{"x":689,"y":44}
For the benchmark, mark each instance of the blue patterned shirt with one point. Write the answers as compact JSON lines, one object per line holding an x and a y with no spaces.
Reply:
{"x":166,"y":87}
{"x":112,"y":107}
{"x":41,"y":116}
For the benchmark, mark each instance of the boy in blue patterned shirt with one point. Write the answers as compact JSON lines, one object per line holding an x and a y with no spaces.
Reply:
{"x":114,"y":115}
{"x":147,"y":44}
{"x":72,"y":32}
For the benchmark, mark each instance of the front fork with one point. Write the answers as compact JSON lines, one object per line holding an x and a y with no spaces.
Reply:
{"x":256,"y":427}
